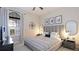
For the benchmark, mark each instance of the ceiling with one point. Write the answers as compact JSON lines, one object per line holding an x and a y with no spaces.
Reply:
{"x":37,"y":11}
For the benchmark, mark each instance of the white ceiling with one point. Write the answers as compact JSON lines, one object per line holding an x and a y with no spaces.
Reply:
{"x":37,"y":11}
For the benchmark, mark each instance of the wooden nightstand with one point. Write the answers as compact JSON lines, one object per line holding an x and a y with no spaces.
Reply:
{"x":69,"y":44}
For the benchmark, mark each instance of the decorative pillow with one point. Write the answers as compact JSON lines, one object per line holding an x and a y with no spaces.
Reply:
{"x":46,"y":34}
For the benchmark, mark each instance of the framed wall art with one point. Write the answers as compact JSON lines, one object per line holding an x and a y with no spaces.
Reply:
{"x":31,"y":25}
{"x":47,"y":21}
{"x":52,"y":20}
{"x":58,"y":19}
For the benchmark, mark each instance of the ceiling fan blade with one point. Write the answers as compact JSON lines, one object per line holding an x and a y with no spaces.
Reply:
{"x":41,"y":8}
{"x":33,"y":8}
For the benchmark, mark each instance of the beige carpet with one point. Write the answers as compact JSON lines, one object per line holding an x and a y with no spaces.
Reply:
{"x":21,"y":47}
{"x":64,"y":49}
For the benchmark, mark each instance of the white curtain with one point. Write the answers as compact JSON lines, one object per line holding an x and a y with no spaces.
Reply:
{"x":4,"y":21}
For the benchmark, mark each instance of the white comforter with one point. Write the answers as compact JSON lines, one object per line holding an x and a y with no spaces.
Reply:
{"x":42,"y":43}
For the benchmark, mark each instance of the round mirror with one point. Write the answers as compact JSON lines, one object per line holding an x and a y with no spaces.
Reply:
{"x":71,"y":27}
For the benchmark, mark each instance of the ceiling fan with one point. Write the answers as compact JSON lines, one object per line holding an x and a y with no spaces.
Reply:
{"x":38,"y":7}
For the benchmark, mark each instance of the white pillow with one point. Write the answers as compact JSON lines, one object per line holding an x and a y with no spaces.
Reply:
{"x":54,"y":34}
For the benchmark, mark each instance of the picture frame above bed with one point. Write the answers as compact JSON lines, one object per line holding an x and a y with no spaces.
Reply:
{"x":58,"y":19}
{"x":52,"y":20}
{"x":47,"y":21}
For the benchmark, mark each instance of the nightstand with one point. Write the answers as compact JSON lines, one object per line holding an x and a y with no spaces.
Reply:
{"x":69,"y":44}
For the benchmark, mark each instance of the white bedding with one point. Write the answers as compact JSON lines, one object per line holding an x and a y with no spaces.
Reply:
{"x":43,"y":43}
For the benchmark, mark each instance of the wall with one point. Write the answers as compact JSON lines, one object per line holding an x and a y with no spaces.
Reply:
{"x":28,"y":18}
{"x":67,"y":14}
{"x":0,"y":17}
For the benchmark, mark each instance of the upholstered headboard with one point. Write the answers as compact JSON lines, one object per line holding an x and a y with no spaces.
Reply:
{"x":56,"y":28}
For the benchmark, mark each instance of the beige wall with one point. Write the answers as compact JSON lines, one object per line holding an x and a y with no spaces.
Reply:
{"x":67,"y":14}
{"x":28,"y":17}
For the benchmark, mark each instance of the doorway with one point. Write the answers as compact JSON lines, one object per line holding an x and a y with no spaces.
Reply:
{"x":14,"y":27}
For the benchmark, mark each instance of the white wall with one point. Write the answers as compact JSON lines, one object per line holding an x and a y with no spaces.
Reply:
{"x":28,"y":17}
{"x":67,"y":14}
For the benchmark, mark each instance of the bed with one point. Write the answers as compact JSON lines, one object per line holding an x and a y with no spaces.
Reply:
{"x":43,"y":43}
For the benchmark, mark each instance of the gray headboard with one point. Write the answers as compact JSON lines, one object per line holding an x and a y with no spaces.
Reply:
{"x":56,"y":28}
